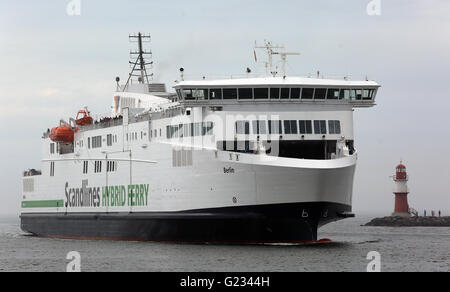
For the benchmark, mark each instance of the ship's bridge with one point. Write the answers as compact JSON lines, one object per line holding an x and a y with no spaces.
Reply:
{"x":277,"y":89}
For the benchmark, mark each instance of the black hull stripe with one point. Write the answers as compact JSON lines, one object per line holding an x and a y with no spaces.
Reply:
{"x":245,"y":224}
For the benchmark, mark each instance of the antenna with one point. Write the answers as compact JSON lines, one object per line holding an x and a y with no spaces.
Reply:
{"x":283,"y":59}
{"x":140,"y":57}
{"x":270,"y":52}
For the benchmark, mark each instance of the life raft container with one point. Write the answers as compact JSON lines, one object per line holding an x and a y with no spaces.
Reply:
{"x":63,"y":134}
{"x":85,"y":120}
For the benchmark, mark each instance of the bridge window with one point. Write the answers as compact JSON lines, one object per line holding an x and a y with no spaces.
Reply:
{"x":284,"y":93}
{"x":274,"y":127}
{"x":188,"y":95}
{"x":274,"y":93}
{"x":200,"y":93}
{"x":290,"y":127}
{"x":245,"y":93}
{"x":320,"y":127}
{"x":242,"y":127}
{"x":334,"y":127}
{"x":367,"y":94}
{"x":261,"y":93}
{"x":307,"y":93}
{"x":230,"y":93}
{"x":333,"y":93}
{"x":295,"y":93}
{"x":344,"y":94}
{"x":179,"y":94}
{"x":215,"y":93}
{"x":305,"y":127}
{"x":320,"y":93}
{"x":259,"y":127}
{"x":356,"y":94}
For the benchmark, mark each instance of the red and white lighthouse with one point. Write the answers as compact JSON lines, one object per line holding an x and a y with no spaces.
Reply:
{"x":401,"y":192}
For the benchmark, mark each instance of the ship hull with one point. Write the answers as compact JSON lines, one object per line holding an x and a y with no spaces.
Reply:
{"x":294,"y":222}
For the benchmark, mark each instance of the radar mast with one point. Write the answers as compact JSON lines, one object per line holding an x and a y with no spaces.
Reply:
{"x":270,"y":50}
{"x":140,"y":60}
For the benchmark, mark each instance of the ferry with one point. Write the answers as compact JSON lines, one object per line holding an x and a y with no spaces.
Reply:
{"x":250,"y":159}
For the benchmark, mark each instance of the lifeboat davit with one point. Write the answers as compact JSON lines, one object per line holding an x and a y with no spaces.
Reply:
{"x":62,"y":134}
{"x":85,"y":120}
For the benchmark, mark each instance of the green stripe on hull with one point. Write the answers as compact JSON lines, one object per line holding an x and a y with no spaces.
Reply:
{"x":43,"y":204}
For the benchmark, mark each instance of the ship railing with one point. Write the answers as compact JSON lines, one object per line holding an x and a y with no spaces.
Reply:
{"x":102,"y":123}
{"x":318,"y":75}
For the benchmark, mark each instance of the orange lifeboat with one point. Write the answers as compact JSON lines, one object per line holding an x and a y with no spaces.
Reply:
{"x":85,"y":120}
{"x":62,"y":134}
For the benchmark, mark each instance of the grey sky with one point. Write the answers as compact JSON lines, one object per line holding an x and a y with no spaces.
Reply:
{"x":52,"y":64}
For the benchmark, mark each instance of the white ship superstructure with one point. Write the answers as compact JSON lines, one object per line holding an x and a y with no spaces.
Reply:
{"x":252,"y":159}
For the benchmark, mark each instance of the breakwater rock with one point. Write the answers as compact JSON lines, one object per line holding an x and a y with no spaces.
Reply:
{"x":397,"y":221}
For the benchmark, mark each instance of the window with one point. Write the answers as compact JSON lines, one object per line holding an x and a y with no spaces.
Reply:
{"x":333,"y":93}
{"x":52,"y":168}
{"x":320,"y":93}
{"x":305,"y":127}
{"x":344,"y":94}
{"x":111,"y":166}
{"x":215,"y":93}
{"x":320,"y":127}
{"x":274,"y":93}
{"x":85,"y":167}
{"x":290,"y":127}
{"x":97,"y":142}
{"x":307,"y":93}
{"x":229,"y":93}
{"x":109,"y":139}
{"x":295,"y":93}
{"x":245,"y":93}
{"x":98,"y":166}
{"x":372,"y":94}
{"x":188,"y":94}
{"x":274,"y":127}
{"x":89,"y":142}
{"x":356,"y":94}
{"x":242,"y":127}
{"x":200,"y":94}
{"x":367,"y":94}
{"x":334,"y":127}
{"x":52,"y":148}
{"x":261,"y":93}
{"x":259,"y":127}
{"x":284,"y":93}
